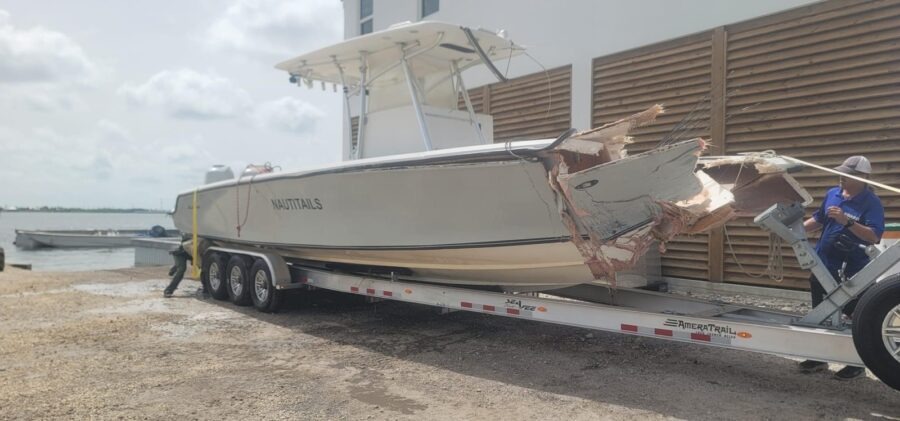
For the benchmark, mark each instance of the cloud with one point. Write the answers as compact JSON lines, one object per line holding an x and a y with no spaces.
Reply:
{"x":181,"y":153}
{"x":41,"y":55}
{"x":47,"y":98}
{"x":186,"y":93}
{"x":79,"y":168}
{"x":277,"y":27}
{"x":112,"y":131}
{"x":287,"y":114}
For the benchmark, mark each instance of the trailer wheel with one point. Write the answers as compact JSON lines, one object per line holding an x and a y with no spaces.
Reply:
{"x":876,"y":330}
{"x":238,"y":280}
{"x":265,"y":296}
{"x":213,"y":275}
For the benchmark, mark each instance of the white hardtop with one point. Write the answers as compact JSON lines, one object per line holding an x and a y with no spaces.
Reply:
{"x":408,"y":81}
{"x":444,"y":42}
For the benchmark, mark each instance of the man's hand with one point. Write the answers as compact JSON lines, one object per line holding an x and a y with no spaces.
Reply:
{"x":837,"y":214}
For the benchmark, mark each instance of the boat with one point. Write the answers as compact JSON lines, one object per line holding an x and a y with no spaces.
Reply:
{"x":426,"y":193}
{"x":36,"y":239}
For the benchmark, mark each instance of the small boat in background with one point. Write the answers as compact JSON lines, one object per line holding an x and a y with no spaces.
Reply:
{"x":34,"y":239}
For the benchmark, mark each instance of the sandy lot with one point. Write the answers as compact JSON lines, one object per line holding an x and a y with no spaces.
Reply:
{"x":106,"y":345}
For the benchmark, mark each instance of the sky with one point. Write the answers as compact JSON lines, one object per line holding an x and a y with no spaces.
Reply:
{"x":127,"y":103}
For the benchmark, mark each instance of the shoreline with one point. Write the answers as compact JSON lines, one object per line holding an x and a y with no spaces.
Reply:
{"x":119,"y":211}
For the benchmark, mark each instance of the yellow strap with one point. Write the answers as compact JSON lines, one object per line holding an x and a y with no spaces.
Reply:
{"x":874,"y":183}
{"x":195,"y":265}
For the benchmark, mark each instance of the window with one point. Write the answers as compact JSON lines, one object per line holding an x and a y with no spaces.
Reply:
{"x":430,"y":6}
{"x":366,"y":8}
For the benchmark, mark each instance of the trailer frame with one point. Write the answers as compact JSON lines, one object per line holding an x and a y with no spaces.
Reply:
{"x":821,"y":335}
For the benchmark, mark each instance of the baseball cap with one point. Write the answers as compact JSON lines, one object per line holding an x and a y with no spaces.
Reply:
{"x":855,"y":164}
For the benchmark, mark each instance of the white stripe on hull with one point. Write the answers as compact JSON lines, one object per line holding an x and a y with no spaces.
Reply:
{"x":556,"y":263}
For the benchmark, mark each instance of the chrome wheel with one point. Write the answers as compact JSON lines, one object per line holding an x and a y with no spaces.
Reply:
{"x":890,"y":332}
{"x":234,"y":279}
{"x":215,"y":276}
{"x":261,"y":286}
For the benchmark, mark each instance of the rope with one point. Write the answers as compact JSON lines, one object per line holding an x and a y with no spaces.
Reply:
{"x":774,"y":267}
{"x":829,"y":170}
{"x":775,"y":259}
{"x":237,"y":204}
{"x":263,"y":169}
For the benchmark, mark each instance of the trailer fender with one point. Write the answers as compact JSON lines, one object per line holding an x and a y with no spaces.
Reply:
{"x":281,"y":275}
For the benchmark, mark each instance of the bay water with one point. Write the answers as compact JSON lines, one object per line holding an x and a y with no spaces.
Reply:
{"x":51,"y":259}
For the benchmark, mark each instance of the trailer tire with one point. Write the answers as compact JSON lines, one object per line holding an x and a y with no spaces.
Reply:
{"x":238,"y":280}
{"x":213,"y":275}
{"x":265,"y":296}
{"x":878,"y":309}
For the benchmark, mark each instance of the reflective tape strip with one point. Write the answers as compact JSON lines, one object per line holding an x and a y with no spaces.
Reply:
{"x":487,"y":308}
{"x":669,"y":333}
{"x":701,"y":337}
{"x":372,"y":291}
{"x":662,"y":332}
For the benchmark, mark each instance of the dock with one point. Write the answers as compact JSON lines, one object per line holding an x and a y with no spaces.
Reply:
{"x":154,"y":251}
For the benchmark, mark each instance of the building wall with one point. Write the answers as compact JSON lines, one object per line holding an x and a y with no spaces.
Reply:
{"x":818,"y":83}
{"x":572,"y":32}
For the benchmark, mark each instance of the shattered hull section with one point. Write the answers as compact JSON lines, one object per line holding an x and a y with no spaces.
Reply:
{"x":616,"y":206}
{"x":756,"y":181}
{"x":625,"y":205}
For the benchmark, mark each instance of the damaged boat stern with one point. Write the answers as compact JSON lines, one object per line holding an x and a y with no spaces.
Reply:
{"x":616,"y":206}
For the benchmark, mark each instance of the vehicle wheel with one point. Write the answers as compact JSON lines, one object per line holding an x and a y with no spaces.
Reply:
{"x":238,"y":280}
{"x":876,"y":330}
{"x":213,"y":275}
{"x":264,"y":295}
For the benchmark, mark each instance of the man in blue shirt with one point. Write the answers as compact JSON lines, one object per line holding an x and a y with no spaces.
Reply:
{"x":851,"y":217}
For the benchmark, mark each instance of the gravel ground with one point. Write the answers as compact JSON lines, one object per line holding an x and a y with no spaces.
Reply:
{"x":106,"y":345}
{"x":778,"y":304}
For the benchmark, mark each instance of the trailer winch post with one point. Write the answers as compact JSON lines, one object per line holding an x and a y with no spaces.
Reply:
{"x":786,"y":221}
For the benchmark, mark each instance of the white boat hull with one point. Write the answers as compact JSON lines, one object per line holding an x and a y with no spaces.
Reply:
{"x":502,"y":227}
{"x":480,"y":222}
{"x":28,"y":239}
{"x":451,"y":206}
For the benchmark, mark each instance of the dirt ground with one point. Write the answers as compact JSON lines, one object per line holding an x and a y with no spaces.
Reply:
{"x":106,"y":345}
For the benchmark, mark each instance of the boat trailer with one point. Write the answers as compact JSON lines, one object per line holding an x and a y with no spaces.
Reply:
{"x":872,"y":339}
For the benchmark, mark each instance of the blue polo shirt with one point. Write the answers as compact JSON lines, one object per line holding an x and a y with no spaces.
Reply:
{"x":865,"y":208}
